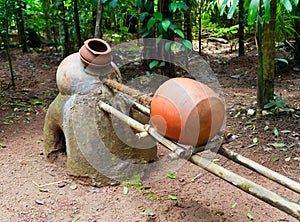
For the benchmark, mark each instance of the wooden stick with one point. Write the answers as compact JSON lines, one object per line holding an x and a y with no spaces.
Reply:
{"x":248,"y":186}
{"x":285,"y":181}
{"x":141,"y":97}
{"x":49,"y":184}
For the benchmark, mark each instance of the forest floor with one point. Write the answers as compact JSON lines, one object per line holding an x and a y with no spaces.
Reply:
{"x":201,"y":196}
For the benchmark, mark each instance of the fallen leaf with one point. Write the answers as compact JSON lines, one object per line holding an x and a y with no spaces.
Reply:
{"x":172,"y":197}
{"x":234,"y":205}
{"x":278,"y":145}
{"x":250,"y":217}
{"x":255,"y":140}
{"x":76,"y":218}
{"x":287,"y":159}
{"x":171,"y":175}
{"x":268,"y":149}
{"x":275,"y":159}
{"x":275,"y":131}
{"x":148,"y":212}
{"x":125,"y":190}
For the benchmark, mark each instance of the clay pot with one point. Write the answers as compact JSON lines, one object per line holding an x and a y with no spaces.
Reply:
{"x":96,"y":51}
{"x":187,"y":111}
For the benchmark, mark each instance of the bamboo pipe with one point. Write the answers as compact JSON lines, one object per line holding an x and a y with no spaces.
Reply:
{"x":141,"y":97}
{"x":283,"y":180}
{"x":248,"y":186}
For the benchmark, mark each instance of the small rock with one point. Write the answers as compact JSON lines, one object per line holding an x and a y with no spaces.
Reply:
{"x":40,"y":202}
{"x":44,"y":190}
{"x":296,"y":69}
{"x":73,"y":186}
{"x":235,"y":76}
{"x":61,"y":185}
{"x":285,"y":131}
{"x":94,"y":191}
{"x":250,"y":112}
{"x":265,"y":113}
{"x":24,"y":162}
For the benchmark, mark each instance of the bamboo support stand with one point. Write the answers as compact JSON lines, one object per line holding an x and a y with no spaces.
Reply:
{"x":178,"y":151}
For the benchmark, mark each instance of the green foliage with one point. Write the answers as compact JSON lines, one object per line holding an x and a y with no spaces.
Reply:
{"x":277,"y":104}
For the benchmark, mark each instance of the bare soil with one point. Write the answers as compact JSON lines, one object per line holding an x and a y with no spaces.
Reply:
{"x":32,"y":188}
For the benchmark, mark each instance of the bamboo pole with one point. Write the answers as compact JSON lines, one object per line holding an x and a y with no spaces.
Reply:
{"x":141,"y":97}
{"x":285,"y":181}
{"x":248,"y":186}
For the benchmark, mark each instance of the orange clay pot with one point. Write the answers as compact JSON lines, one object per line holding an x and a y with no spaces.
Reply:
{"x":96,"y":51}
{"x":187,"y":111}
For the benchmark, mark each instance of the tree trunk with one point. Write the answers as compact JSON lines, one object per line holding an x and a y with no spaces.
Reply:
{"x":21,"y":6}
{"x":169,"y":68}
{"x":297,"y":44}
{"x":260,"y":74}
{"x":46,"y":9}
{"x":200,"y":26}
{"x":77,"y":24}
{"x":241,"y":28}
{"x":65,"y":35}
{"x":6,"y":25}
{"x":268,"y":42}
{"x":188,"y":21}
{"x":98,"y":33}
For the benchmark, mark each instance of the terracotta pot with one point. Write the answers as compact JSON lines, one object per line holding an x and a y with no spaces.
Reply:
{"x":96,"y":51}
{"x":187,"y":111}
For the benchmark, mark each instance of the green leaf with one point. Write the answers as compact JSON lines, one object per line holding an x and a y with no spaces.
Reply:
{"x":232,"y":9}
{"x":187,"y":44}
{"x":275,"y":131}
{"x":125,"y":190}
{"x":270,"y":104}
{"x":165,"y":24}
{"x":252,"y":11}
{"x":173,"y":47}
{"x":6,"y":123}
{"x":153,"y":64}
{"x":223,"y":6}
{"x":38,"y":102}
{"x":159,"y":38}
{"x":287,"y":159}
{"x":276,"y":159}
{"x":249,"y":216}
{"x":278,"y":145}
{"x":76,"y":218}
{"x":172,"y":197}
{"x":173,"y":7}
{"x":158,"y":16}
{"x":255,"y":140}
{"x":183,"y":5}
{"x":148,"y":212}
{"x":234,"y":205}
{"x":113,"y":3}
{"x":179,"y":32}
{"x":267,"y":10}
{"x":143,"y":16}
{"x":151,"y":23}
{"x":268,"y":149}
{"x":287,"y":4}
{"x":171,"y":175}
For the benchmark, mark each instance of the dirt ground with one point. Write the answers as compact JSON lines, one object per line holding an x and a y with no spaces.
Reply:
{"x":34,"y":189}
